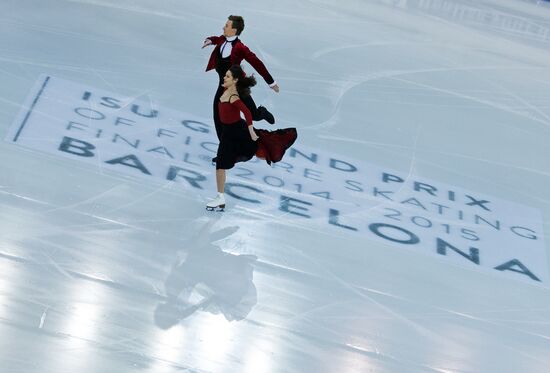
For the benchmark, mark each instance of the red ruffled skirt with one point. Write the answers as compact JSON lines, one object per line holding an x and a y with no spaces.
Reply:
{"x":237,"y":146}
{"x":273,"y":144}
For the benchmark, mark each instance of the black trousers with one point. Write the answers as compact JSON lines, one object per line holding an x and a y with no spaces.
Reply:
{"x":248,"y":101}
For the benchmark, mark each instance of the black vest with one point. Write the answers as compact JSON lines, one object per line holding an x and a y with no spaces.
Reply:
{"x":223,"y":64}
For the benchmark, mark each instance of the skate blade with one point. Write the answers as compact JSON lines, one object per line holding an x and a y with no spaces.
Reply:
{"x":220,"y":208}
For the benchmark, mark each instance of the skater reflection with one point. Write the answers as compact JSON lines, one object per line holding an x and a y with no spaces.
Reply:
{"x":208,"y":279}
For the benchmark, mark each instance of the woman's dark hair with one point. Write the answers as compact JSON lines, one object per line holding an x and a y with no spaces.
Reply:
{"x":244,"y":82}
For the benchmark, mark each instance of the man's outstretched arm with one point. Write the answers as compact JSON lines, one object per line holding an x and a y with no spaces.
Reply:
{"x":211,"y":40}
{"x":259,"y":66}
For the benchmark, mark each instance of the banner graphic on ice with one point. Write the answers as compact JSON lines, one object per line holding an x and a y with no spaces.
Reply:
{"x":342,"y":194}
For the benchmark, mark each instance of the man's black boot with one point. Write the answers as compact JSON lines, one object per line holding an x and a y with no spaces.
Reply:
{"x":265,"y":114}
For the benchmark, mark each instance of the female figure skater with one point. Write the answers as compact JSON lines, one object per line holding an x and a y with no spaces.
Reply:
{"x":239,"y":140}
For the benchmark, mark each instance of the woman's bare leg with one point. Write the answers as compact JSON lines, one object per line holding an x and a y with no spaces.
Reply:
{"x":220,"y":180}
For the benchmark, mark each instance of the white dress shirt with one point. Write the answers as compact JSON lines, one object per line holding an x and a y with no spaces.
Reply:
{"x":227,"y":46}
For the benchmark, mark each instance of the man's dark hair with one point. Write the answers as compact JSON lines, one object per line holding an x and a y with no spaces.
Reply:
{"x":237,"y":22}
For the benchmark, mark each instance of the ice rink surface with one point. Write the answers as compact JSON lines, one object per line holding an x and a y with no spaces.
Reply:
{"x":406,"y":231}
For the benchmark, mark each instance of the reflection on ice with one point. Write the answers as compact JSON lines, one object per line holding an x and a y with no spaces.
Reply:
{"x":208,"y":279}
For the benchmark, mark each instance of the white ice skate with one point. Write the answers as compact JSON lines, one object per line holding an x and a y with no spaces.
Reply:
{"x":217,"y":204}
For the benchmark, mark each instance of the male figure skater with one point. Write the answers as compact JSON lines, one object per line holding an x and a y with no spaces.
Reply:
{"x":228,"y":51}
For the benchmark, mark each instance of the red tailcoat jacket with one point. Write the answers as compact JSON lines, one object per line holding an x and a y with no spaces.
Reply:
{"x":238,"y":53}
